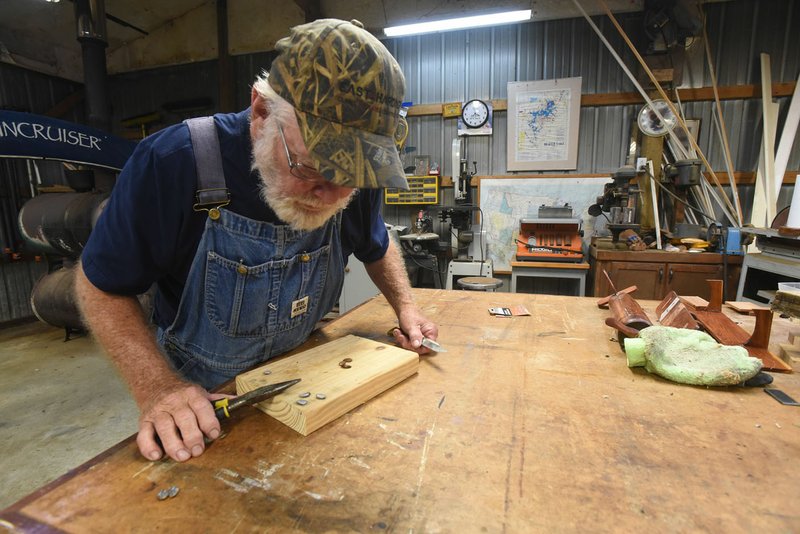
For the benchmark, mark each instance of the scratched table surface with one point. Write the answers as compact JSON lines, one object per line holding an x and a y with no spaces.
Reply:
{"x":526,"y":424}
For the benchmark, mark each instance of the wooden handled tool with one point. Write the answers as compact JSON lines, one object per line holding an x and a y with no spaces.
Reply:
{"x":627,"y":316}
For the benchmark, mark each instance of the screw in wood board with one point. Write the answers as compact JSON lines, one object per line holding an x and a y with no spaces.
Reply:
{"x":345,"y":364}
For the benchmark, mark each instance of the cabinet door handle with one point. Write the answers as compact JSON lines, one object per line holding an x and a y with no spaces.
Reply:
{"x":671,"y":274}
{"x":660,"y":273}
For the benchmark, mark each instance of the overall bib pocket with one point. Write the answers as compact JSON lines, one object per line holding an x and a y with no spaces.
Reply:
{"x":253,"y":301}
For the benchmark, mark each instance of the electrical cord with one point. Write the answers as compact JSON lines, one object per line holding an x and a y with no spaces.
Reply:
{"x":557,"y":249}
{"x":436,"y":272}
{"x":679,"y":199}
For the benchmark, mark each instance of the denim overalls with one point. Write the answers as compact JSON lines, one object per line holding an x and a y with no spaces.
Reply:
{"x":255,"y":289}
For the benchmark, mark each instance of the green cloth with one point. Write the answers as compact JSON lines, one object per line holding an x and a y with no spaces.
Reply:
{"x":690,"y":357}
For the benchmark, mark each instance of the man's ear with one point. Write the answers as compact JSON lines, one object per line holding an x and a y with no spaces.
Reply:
{"x":258,"y":107}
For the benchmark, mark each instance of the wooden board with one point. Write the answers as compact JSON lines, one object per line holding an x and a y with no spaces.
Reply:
{"x":530,"y":424}
{"x":603,"y":302}
{"x":721,"y":328}
{"x":373,"y":368}
{"x":695,"y":303}
{"x":770,"y":361}
{"x":725,"y":331}
{"x":770,"y":124}
{"x":673,"y":312}
{"x":743,"y":306}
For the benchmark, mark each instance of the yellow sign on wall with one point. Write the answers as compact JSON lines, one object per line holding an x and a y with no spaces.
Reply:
{"x":422,"y":190}
{"x":451,"y":109}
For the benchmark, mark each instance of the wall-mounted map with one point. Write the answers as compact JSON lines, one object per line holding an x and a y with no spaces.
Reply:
{"x":543,"y":119}
{"x":504,"y":201}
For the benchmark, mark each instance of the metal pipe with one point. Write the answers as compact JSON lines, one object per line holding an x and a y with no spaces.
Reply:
{"x":53,"y":299}
{"x":227,"y":99}
{"x":60,"y":223}
{"x":90,"y":20}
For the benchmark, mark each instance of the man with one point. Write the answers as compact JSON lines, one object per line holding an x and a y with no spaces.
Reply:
{"x":240,"y":219}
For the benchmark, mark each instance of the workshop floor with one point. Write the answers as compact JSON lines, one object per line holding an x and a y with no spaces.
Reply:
{"x":62,"y":403}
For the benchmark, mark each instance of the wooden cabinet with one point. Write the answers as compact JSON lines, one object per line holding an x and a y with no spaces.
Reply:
{"x":656,"y":273}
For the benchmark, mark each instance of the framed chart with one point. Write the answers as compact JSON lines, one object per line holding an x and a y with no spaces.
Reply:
{"x":543,"y":119}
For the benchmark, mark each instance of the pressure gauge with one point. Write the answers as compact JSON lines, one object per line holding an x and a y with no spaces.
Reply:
{"x":475,"y":113}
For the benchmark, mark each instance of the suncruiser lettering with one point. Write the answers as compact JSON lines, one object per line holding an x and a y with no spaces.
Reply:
{"x":49,"y":133}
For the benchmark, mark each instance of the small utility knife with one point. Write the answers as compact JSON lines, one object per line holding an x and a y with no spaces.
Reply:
{"x":429,"y":343}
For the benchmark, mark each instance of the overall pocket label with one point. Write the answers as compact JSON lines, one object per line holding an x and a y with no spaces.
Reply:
{"x":299,"y":306}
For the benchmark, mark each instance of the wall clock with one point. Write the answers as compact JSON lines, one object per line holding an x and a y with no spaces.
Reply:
{"x":475,"y":113}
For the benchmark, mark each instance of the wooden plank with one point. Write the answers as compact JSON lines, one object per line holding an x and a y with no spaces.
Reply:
{"x":347,"y":372}
{"x":770,"y":361}
{"x":723,"y":130}
{"x":715,"y":297}
{"x":697,"y":94}
{"x":695,"y":303}
{"x":749,"y":178}
{"x":725,"y":331}
{"x":662,"y":256}
{"x":720,"y":327}
{"x":758,"y":214}
{"x":744,"y":306}
{"x":652,"y":148}
{"x":603,"y":302}
{"x":672,"y":312}
{"x":770,"y":122}
{"x":787,"y":138}
{"x":760,"y":336}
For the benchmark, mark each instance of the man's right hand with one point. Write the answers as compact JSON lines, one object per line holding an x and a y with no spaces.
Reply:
{"x":177,"y":416}
{"x":175,"y":413}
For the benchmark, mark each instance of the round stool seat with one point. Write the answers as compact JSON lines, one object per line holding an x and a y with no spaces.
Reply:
{"x":479,"y":283}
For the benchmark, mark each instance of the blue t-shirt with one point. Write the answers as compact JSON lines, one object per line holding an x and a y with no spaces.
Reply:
{"x":148,"y":232}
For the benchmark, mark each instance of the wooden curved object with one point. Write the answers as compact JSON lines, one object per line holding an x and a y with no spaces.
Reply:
{"x":725,"y":331}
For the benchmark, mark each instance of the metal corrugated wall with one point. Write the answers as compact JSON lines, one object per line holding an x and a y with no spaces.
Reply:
{"x":163,"y":92}
{"x":479,"y":63}
{"x":158,"y":91}
{"x":27,"y":91}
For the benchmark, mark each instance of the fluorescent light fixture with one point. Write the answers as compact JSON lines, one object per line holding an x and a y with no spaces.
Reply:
{"x":458,"y":24}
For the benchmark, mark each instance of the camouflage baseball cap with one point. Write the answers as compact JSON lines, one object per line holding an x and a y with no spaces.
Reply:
{"x":346,"y":89}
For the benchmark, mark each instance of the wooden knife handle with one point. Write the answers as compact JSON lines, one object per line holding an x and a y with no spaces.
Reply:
{"x":613,"y":322}
{"x":628,"y":312}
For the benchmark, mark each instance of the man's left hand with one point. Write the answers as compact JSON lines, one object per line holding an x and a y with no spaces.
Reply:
{"x":413,"y":327}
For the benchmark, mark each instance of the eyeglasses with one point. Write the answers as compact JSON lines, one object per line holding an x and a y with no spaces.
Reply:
{"x":300,"y":170}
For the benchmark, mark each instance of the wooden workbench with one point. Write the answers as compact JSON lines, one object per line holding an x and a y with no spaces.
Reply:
{"x":526,"y":424}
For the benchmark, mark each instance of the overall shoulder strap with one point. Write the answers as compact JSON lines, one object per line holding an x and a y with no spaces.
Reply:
{"x":211,"y":191}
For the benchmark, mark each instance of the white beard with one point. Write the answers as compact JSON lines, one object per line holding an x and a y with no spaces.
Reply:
{"x":291,"y":209}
